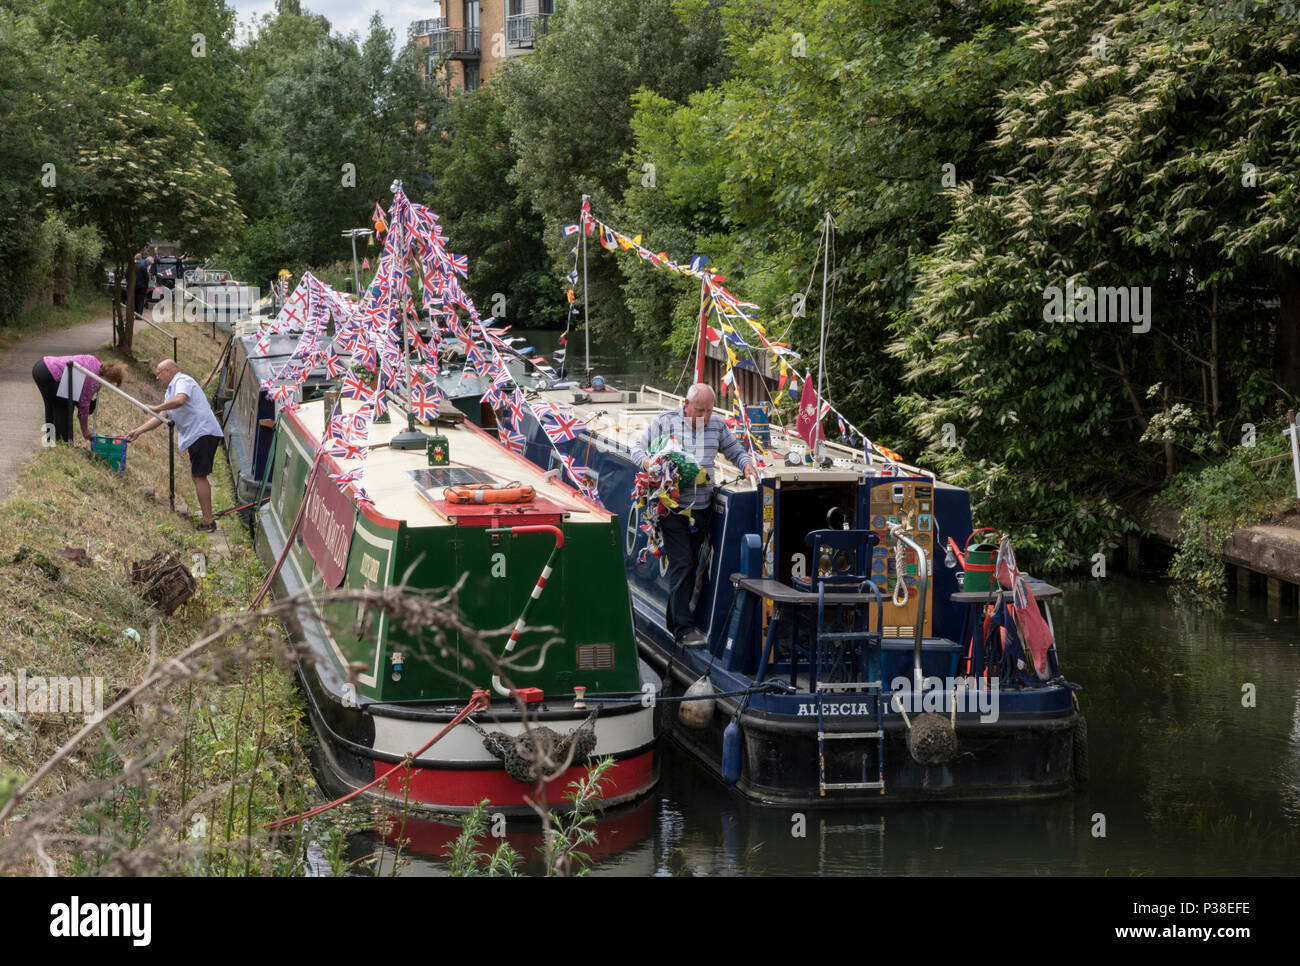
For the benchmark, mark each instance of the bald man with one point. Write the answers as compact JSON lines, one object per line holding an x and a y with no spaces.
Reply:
{"x":701,"y":433}
{"x":197,"y":430}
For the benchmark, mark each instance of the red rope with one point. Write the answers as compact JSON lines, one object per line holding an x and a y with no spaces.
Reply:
{"x":293,"y":532}
{"x":479,"y":702}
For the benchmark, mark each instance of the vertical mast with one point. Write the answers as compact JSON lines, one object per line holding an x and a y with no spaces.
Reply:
{"x":586,"y":322}
{"x":702,"y":341}
{"x":411,"y":438}
{"x":821,"y":352}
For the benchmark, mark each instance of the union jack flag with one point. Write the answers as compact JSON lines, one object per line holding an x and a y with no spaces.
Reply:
{"x":363,"y":499}
{"x":353,"y":387}
{"x":349,"y":478}
{"x":516,"y":442}
{"x":283,"y":394}
{"x":516,"y":404}
{"x":547,"y":409}
{"x":425,"y":403}
{"x":343,"y":451}
{"x":364,"y":355}
{"x":333,"y":365}
{"x":493,"y":396}
{"x":562,"y":427}
{"x":460,"y":265}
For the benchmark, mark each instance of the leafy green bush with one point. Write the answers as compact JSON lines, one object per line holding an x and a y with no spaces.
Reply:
{"x":1222,"y":497}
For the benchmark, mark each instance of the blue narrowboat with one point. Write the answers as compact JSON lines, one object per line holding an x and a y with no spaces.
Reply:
{"x":840,"y":664}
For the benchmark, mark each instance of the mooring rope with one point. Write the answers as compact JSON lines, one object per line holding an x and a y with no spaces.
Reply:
{"x":479,"y":702}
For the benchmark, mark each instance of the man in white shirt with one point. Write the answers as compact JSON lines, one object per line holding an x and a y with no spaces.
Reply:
{"x":197,"y":430}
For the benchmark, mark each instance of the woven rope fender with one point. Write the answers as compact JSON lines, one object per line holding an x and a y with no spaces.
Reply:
{"x":931,"y":740}
{"x":524,"y":754}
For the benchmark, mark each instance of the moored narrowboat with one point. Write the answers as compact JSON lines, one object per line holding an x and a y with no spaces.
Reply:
{"x":848,"y":668}
{"x":377,"y":692}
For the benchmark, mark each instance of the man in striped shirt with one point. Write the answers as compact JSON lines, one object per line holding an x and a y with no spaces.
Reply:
{"x":701,"y":433}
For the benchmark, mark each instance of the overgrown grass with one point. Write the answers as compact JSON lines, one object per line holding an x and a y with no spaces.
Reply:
{"x":228,"y":741}
{"x":1220,"y":498}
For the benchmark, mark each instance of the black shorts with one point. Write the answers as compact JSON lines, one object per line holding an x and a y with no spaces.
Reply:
{"x":201,"y":451}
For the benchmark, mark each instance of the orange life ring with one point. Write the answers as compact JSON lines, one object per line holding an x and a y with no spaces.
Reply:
{"x":489,"y":493}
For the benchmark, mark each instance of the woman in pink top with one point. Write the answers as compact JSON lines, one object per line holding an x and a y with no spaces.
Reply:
{"x":50,"y":374}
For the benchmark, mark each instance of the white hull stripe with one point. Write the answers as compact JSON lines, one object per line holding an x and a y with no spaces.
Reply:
{"x":615,"y":735}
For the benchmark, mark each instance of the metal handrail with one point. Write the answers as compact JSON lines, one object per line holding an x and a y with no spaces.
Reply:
{"x":922,"y":585}
{"x":125,"y":395}
{"x":523,"y":29}
{"x":161,"y":417}
{"x":170,"y":335}
{"x":454,"y":41}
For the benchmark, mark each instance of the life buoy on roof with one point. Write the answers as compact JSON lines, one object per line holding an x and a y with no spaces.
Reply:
{"x":489,"y":493}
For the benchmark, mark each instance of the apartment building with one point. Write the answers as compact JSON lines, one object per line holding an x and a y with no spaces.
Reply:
{"x":466,"y":40}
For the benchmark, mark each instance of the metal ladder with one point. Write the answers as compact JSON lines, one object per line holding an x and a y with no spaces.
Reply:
{"x":871,"y":655}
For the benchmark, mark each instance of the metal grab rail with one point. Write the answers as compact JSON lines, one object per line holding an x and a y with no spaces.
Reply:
{"x":125,"y":395}
{"x":161,"y":417}
{"x":922,"y":585}
{"x":159,"y":328}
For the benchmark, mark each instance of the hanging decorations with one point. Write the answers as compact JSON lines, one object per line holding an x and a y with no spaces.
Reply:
{"x":723,"y":319}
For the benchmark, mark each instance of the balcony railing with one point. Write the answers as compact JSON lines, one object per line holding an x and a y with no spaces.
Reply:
{"x":422,"y":28}
{"x":523,"y":31}
{"x":453,"y":43}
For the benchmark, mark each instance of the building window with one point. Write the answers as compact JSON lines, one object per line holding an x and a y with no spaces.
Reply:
{"x":516,"y":8}
{"x":471,"y":15}
{"x":471,"y":77}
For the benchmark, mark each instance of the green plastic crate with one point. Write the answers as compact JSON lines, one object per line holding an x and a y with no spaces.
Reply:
{"x":111,"y":448}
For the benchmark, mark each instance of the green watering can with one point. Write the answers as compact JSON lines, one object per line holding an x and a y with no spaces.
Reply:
{"x":977,"y":561}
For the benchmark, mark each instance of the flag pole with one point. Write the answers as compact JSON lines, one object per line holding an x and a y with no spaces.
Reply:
{"x":700,"y":348}
{"x":821,"y":351}
{"x":586,"y":322}
{"x":410,"y":438}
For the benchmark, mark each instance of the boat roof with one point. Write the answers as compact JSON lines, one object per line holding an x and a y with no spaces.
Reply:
{"x":406,"y":488}
{"x":620,"y":417}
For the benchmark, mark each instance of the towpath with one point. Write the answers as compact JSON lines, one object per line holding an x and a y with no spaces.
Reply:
{"x":20,"y":401}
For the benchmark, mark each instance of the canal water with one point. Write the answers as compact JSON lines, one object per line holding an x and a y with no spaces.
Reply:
{"x":1194,"y":725}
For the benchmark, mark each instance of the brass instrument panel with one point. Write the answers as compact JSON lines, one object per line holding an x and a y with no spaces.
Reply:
{"x":912,"y":503}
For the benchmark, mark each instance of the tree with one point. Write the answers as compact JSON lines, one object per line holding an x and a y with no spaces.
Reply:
{"x":333,"y":125}
{"x":569,"y":106}
{"x":485,"y":215}
{"x":185,"y":44}
{"x":1154,"y":162}
{"x":41,"y":100}
{"x":860,"y":108}
{"x":143,"y":171}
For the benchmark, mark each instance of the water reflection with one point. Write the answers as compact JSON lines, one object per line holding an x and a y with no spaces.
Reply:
{"x":1187,"y":777}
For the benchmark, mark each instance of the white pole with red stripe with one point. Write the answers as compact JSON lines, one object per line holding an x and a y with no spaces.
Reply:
{"x":520,"y":624}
